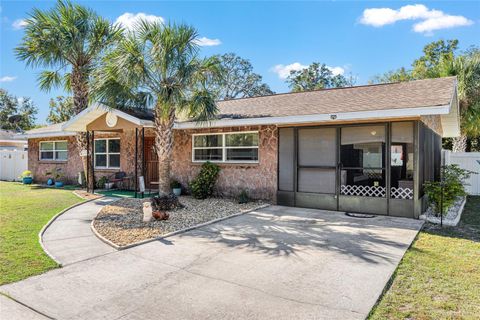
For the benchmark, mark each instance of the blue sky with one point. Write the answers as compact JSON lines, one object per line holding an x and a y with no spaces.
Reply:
{"x":362,"y":38}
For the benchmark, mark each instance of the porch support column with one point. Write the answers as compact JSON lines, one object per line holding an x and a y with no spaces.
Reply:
{"x":87,"y":174}
{"x":136,"y":161}
{"x":143,"y":157}
{"x":93,"y":161}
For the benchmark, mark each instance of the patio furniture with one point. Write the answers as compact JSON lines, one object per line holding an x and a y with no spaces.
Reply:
{"x":118,"y":178}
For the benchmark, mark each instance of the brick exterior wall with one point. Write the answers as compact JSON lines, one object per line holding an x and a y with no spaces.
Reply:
{"x":433,"y":122}
{"x":259,"y":180}
{"x":73,"y":166}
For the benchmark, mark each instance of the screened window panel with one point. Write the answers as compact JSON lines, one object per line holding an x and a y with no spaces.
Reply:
{"x":101,"y":146}
{"x":46,"y":146}
{"x":241,"y":139}
{"x":114,"y":160}
{"x":114,"y":146}
{"x":208,"y":154}
{"x":242,"y":154}
{"x":363,"y":147}
{"x":61,"y":155}
{"x":316,"y":180}
{"x":46,"y":155}
{"x":206,"y":141}
{"x":317,"y":147}
{"x":363,"y":182}
{"x":285,"y":159}
{"x":61,"y":146}
{"x":100,"y":160}
{"x":401,"y":160}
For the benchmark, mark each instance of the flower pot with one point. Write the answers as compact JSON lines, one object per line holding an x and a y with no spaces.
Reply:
{"x":27,"y":180}
{"x":58,"y":184}
{"x":177,"y":191}
{"x":50,"y":182}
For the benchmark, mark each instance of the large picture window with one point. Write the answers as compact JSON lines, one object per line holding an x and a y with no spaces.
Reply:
{"x":226,"y":147}
{"x":107,"y":153}
{"x":54,"y":150}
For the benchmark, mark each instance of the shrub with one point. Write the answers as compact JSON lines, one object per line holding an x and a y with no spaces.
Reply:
{"x":167,"y":202}
{"x":203,"y":184}
{"x":101,"y":182}
{"x":26,"y":173}
{"x":243,"y":197}
{"x":175,"y":184}
{"x":453,"y":186}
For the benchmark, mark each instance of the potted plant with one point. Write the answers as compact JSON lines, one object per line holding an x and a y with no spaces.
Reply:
{"x":27,"y":177}
{"x":57,"y":175}
{"x":176,"y":187}
{"x":50,"y":181}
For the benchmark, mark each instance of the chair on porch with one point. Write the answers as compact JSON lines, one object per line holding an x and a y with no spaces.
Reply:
{"x":118,"y":178}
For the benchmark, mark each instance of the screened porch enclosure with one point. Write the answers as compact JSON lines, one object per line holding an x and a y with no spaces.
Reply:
{"x":367,"y":168}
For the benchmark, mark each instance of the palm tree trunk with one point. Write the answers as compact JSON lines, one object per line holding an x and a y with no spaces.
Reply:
{"x":79,"y":83}
{"x":459,"y":143}
{"x":164,"y":148}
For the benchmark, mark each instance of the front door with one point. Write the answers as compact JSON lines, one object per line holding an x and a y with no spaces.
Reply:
{"x":151,"y":163}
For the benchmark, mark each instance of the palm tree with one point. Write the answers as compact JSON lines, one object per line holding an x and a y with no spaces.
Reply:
{"x":69,"y":40}
{"x":161,"y":61}
{"x":467,"y":69}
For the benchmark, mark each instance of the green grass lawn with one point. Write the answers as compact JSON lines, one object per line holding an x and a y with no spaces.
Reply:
{"x":24,"y":210}
{"x":439,"y":276}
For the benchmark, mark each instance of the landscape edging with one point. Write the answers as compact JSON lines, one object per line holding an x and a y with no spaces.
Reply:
{"x":117,"y":247}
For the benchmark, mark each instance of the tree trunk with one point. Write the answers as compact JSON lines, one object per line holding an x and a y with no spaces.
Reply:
{"x":164,"y":149}
{"x":79,"y":84}
{"x":459,"y":144}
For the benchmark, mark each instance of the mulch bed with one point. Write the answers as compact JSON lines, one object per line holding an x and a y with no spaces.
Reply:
{"x":121,"y":222}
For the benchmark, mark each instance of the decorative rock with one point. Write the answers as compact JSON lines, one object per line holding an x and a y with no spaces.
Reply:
{"x":121,"y":222}
{"x":147,"y":211}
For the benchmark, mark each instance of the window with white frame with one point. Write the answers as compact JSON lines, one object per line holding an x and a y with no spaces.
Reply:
{"x":107,"y":153}
{"x":225,"y":147}
{"x":54,"y":150}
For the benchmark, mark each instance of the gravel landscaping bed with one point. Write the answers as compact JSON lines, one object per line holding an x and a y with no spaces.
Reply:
{"x":121,"y":222}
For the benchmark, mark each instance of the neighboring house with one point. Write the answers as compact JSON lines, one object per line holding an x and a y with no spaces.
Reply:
{"x":9,"y":140}
{"x":361,"y":149}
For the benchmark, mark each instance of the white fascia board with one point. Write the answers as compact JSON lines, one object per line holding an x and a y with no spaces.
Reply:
{"x":80,"y":121}
{"x":47,"y":134}
{"x":14,"y":141}
{"x":330,"y":117}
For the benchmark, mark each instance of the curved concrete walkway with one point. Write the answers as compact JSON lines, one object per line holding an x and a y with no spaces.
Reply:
{"x":69,"y":238}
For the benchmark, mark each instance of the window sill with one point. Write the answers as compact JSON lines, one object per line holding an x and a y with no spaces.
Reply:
{"x":224,"y":164}
{"x":106,"y":169}
{"x":53,"y":161}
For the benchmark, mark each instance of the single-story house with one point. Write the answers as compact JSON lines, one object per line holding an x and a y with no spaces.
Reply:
{"x":361,"y":149}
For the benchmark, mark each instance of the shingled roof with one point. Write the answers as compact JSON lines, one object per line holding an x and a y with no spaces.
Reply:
{"x":401,"y":95}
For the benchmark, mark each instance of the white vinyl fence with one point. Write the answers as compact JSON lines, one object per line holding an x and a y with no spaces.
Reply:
{"x":12,"y":164}
{"x":469,"y":161}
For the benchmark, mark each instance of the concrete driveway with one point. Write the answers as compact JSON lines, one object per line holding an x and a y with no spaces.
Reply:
{"x":275,"y":263}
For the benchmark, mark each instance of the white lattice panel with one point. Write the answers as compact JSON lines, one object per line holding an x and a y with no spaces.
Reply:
{"x":365,"y":191}
{"x":401,"y":193}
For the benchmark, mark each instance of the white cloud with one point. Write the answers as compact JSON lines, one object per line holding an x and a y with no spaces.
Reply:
{"x":431,"y":19}
{"x":206,"y":42}
{"x":7,"y":79}
{"x":283,"y":71}
{"x":19,"y":24}
{"x":128,"y":20}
